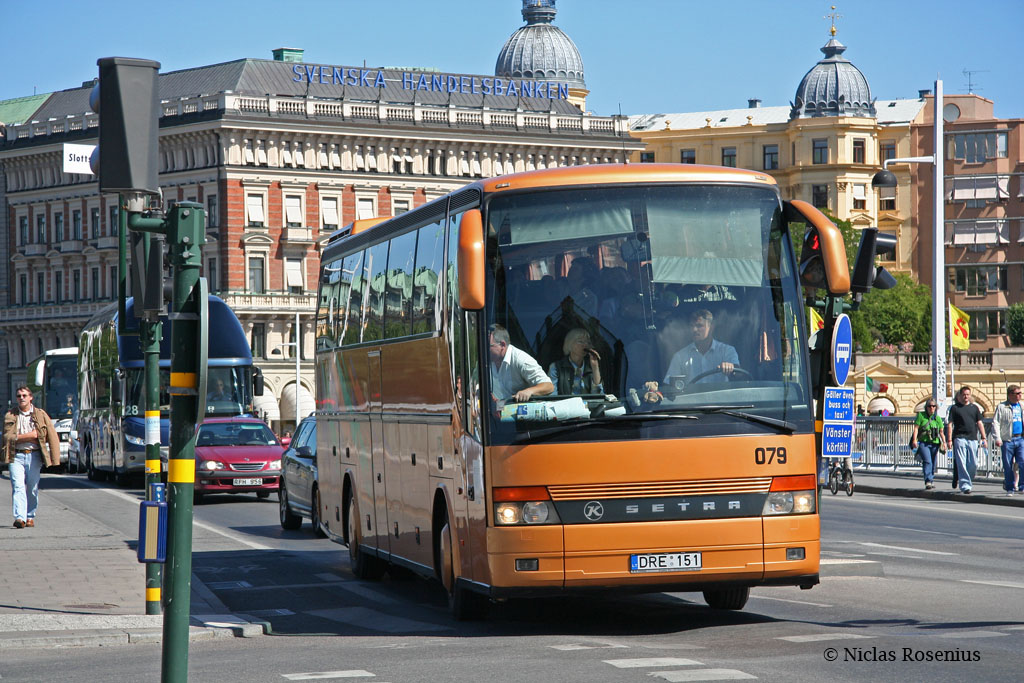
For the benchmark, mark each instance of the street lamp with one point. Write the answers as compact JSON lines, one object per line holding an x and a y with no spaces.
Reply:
{"x":298,"y":354}
{"x":886,"y":178}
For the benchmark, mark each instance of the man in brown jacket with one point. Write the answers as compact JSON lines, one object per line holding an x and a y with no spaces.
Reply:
{"x":30,"y":442}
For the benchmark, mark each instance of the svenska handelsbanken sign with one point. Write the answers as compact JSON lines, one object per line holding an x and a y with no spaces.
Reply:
{"x":429,"y":82}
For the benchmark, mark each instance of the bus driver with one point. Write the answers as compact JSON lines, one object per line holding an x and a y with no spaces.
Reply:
{"x":704,"y":354}
{"x":515,"y":375}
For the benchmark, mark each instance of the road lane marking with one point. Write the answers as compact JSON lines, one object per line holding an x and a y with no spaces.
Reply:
{"x":973,"y":634}
{"x":324,"y":675}
{"x":935,"y":505}
{"x":569,"y":647}
{"x":1000,"y":584}
{"x":921,"y":531}
{"x":906,"y":550}
{"x":372,"y":620}
{"x":694,"y":675}
{"x":651,"y":661}
{"x":816,"y":637}
{"x":796,"y":602}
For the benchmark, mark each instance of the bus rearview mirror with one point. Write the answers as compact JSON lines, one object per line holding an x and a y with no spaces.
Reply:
{"x":471,"y":260}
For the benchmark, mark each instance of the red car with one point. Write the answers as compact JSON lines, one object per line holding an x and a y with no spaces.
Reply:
{"x":237,"y":455}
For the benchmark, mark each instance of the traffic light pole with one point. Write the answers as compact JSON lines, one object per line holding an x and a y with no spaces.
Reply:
{"x":150,"y":334}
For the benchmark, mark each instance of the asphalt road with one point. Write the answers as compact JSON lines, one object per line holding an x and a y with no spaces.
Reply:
{"x":937,"y":600}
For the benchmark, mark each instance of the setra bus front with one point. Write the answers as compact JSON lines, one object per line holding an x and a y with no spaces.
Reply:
{"x":677,"y":449}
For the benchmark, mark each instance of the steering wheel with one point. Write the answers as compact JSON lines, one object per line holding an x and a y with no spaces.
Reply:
{"x":715,"y":371}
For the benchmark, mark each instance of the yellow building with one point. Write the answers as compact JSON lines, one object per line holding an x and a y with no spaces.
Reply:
{"x":823,"y":148}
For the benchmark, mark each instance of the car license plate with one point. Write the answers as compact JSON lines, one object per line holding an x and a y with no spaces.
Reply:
{"x":664,"y":562}
{"x":248,"y":482}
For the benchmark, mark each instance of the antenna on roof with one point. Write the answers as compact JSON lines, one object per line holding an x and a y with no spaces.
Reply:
{"x":971,"y":87}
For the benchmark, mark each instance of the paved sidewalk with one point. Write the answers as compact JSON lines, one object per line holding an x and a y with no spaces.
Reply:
{"x":910,"y":483}
{"x":71,"y":581}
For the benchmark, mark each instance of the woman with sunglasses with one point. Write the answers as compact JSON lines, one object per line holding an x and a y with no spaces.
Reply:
{"x":928,"y":438}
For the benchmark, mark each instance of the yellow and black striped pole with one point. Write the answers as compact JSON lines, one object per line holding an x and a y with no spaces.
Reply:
{"x":150,"y":334}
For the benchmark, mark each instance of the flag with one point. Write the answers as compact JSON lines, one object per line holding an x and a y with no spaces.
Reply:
{"x":874,"y":386}
{"x":959,"y":328}
{"x":817,"y":323}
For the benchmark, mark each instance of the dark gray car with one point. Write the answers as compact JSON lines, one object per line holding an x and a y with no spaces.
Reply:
{"x":299,"y":494}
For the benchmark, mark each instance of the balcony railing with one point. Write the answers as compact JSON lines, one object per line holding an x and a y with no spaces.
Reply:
{"x":264,"y":302}
{"x":977,"y":360}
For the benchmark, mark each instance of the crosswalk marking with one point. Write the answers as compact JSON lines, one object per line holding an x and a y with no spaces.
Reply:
{"x":376,"y":621}
{"x":909,"y":550}
{"x":324,"y":675}
{"x":815,"y":637}
{"x":973,"y":634}
{"x":691,"y":675}
{"x":796,"y":602}
{"x":651,"y":661}
{"x":569,"y":647}
{"x":1000,"y":584}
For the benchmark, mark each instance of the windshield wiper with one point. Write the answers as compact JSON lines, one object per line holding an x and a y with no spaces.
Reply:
{"x":587,"y":422}
{"x":738,"y":411}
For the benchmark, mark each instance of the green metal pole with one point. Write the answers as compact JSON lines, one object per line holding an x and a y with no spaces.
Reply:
{"x":185,"y":237}
{"x":151,"y":332}
{"x":122,"y":264}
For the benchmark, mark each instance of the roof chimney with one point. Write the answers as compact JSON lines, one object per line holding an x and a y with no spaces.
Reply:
{"x":753,"y":103}
{"x":288,"y":54}
{"x":921,"y":94}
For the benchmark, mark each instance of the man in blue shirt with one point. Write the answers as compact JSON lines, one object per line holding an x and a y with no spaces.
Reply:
{"x":1008,"y":425}
{"x":704,"y":354}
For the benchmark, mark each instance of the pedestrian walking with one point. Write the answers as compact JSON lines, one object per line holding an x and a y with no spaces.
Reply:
{"x":1008,"y":428}
{"x":963,"y":428}
{"x":928,"y":440}
{"x":30,"y":443}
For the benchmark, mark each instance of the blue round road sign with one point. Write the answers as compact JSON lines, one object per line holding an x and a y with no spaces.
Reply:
{"x":842,"y":349}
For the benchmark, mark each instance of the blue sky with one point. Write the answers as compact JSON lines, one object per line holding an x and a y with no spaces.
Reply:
{"x":652,"y":56}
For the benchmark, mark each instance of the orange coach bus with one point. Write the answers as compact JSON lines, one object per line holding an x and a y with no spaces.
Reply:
{"x":663,"y":475}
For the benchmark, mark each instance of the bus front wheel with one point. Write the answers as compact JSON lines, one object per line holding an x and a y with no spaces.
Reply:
{"x":727,"y":598}
{"x":363,"y":566}
{"x":464,"y":604}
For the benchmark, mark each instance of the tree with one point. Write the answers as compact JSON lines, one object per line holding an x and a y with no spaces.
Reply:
{"x":1015,"y":323}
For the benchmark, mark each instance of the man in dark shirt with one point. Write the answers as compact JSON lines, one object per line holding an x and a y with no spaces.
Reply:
{"x":963,"y":428}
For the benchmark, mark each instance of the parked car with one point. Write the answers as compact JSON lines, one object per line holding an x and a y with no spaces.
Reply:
{"x":236,"y":455}
{"x":299,"y":494}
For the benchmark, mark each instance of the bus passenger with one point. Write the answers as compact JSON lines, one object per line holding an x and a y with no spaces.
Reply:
{"x":514,"y":373}
{"x":579,"y":370}
{"x":704,"y":353}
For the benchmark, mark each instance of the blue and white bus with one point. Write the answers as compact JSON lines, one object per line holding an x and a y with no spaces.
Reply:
{"x":111,"y":377}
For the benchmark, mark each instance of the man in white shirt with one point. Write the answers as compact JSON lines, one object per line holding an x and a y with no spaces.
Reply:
{"x":704,"y":354}
{"x":515,"y":375}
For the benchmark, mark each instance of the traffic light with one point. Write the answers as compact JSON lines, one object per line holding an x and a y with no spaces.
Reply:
{"x":812,"y":267}
{"x":128,"y":102}
{"x":866,"y":275}
{"x":823,"y":262}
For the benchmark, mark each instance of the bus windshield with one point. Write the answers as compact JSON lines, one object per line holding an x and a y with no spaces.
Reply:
{"x":655,"y":311}
{"x":228,"y":390}
{"x":60,"y":385}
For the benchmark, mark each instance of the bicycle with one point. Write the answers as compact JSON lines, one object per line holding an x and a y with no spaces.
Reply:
{"x":839,"y":476}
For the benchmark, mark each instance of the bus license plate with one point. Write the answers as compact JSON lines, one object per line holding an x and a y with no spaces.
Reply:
{"x":664,"y":562}
{"x":248,"y":482}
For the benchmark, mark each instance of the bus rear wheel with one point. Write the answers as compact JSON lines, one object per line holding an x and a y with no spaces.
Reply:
{"x":363,"y":566}
{"x":464,"y":604}
{"x":727,"y":598}
{"x":314,"y":515}
{"x":91,"y":472}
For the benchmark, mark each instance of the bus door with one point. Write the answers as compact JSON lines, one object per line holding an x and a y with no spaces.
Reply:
{"x":380,"y":527}
{"x":471,"y":507}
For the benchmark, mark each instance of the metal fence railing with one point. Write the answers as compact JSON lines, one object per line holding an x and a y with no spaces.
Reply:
{"x":884,"y":442}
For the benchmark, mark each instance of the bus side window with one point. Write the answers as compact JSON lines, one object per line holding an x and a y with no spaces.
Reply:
{"x":473,"y":375}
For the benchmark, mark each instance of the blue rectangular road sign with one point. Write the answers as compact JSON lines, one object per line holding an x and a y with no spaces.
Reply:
{"x":836,"y":440}
{"x":839,"y":404}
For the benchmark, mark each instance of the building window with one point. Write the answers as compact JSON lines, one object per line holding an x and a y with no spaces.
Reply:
{"x":364,"y":208}
{"x":23,"y":289}
{"x":94,"y":283}
{"x":293,"y":275}
{"x":399,"y":206}
{"x":212,"y":218}
{"x":329,"y":213}
{"x":887,"y":199}
{"x":687,"y":156}
{"x":859,"y":197}
{"x":293,"y":211}
{"x":729,"y":156}
{"x":978,"y":281}
{"x":255,"y":217}
{"x":819,"y":196}
{"x":646,"y":157}
{"x":58,"y":227}
{"x":113,"y":283}
{"x":39,"y":287}
{"x":771,"y":157}
{"x":94,"y":221}
{"x":76,"y":224}
{"x":256,"y":281}
{"x":858,"y":151}
{"x":40,"y":229}
{"x":886,"y":151}
{"x":76,"y":285}
{"x":819,"y":151}
{"x":58,"y":287}
{"x":114,"y":227}
{"x":258,"y":342}
{"x":976,"y":148}
{"x":985,"y":324}
{"x":23,"y":230}
{"x":211,"y":274}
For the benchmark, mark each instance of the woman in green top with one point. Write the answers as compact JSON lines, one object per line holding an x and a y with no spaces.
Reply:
{"x":928,"y":437}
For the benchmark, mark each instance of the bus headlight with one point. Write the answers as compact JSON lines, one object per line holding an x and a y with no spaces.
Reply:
{"x":525,"y":512}
{"x":135,"y":440}
{"x":789,"y":503}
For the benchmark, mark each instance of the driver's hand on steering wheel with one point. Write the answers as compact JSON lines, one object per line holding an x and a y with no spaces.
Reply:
{"x":726,"y":368}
